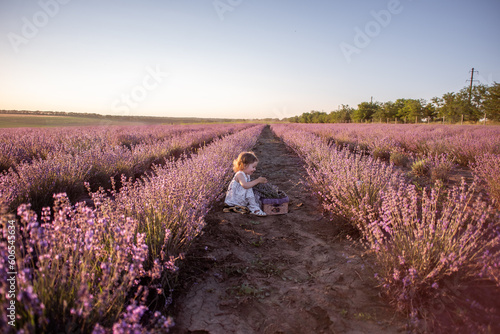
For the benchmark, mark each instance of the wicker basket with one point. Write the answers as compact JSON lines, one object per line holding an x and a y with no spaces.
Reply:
{"x":275,"y":206}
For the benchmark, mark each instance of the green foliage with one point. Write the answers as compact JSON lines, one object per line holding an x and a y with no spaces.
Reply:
{"x":399,"y":158}
{"x":388,"y":111}
{"x":412,"y":109}
{"x":420,"y":168}
{"x":492,"y":102}
{"x":468,"y":105}
{"x":343,"y":115}
{"x":365,"y":111}
{"x":381,"y":153}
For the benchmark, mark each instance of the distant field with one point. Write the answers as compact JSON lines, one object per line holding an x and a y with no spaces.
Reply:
{"x":42,"y":121}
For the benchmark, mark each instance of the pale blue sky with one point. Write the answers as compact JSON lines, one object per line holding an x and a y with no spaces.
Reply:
{"x":239,"y":58}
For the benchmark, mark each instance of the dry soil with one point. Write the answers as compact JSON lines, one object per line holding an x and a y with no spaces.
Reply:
{"x":289,"y":273}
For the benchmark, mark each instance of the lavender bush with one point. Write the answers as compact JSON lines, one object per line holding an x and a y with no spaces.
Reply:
{"x":462,"y":143}
{"x":94,"y":160}
{"x":399,"y":158}
{"x":420,"y":167}
{"x":346,"y":182}
{"x":75,"y":269}
{"x":487,"y":169}
{"x":18,"y":145}
{"x":174,"y":200}
{"x":83,"y":268}
{"x":440,"y":166}
{"x":421,"y":239}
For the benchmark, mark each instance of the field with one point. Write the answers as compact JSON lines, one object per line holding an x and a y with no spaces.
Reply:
{"x":19,"y":121}
{"x":391,"y":228}
{"x":30,"y":119}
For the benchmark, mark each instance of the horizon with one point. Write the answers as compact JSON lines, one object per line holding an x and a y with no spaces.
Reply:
{"x":237,"y":59}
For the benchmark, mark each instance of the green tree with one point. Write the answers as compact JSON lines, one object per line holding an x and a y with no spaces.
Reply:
{"x":472,"y":105}
{"x":466,"y":103}
{"x":365,"y":111}
{"x":343,"y":115}
{"x":388,"y":111}
{"x":429,"y":112}
{"x":465,"y":106}
{"x":492,"y":102}
{"x":451,"y":107}
{"x":478,"y":97}
{"x":320,"y":117}
{"x":399,"y":104}
{"x":306,"y":118}
{"x":411,"y":110}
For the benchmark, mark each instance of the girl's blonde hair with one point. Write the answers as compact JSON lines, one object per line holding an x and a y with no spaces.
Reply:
{"x":243,"y":160}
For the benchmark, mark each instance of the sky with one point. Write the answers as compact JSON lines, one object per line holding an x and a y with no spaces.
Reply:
{"x":240,"y":58}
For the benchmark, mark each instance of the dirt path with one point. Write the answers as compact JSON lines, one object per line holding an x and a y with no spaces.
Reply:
{"x":279,"y":274}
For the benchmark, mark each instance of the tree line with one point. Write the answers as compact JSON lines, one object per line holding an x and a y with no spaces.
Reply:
{"x":479,"y":104}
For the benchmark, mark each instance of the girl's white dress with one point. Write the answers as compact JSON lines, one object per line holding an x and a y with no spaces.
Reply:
{"x":237,"y":195}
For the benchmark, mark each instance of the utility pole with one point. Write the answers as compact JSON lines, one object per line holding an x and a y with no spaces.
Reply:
{"x":469,"y":107}
{"x":471,"y":81}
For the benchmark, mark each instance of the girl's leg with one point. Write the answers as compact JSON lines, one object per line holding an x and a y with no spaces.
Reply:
{"x":253,"y":201}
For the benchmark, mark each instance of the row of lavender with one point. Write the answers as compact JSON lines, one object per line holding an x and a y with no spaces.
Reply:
{"x":64,"y":158}
{"x":463,"y":144}
{"x":419,"y":238}
{"x":428,"y":149}
{"x":27,"y":144}
{"x":94,"y":269}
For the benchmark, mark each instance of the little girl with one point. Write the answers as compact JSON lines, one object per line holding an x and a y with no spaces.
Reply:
{"x":240,"y":191}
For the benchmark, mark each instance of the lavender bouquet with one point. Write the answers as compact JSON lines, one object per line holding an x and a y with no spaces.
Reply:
{"x":268,"y":190}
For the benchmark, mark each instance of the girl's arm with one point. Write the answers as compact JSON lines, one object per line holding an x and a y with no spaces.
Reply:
{"x":241,"y":179}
